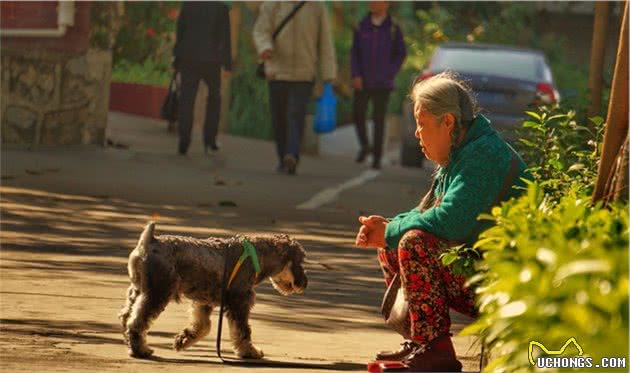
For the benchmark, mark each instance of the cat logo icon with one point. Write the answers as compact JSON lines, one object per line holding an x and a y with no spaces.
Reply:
{"x":553,"y":352}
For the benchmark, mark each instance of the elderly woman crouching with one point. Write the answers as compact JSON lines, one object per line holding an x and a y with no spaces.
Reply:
{"x":476,"y":170}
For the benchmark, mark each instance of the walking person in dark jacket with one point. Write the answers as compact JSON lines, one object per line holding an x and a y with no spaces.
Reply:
{"x":378,"y":51}
{"x":202,"y":47}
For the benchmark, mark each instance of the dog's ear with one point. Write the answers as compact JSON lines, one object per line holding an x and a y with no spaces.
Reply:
{"x":297,"y":247}
{"x":289,"y":245}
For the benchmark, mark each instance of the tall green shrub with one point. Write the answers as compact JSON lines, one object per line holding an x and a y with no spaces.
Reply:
{"x":554,"y":266}
{"x":560,"y":151}
{"x":551,"y":272}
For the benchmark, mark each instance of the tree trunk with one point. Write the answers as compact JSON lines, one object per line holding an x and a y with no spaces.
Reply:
{"x":616,"y":125}
{"x":621,"y":184}
{"x":598,"y":51}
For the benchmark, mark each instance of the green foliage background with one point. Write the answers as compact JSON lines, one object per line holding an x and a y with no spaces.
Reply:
{"x":144,"y":44}
{"x":249,"y":110}
{"x":552,"y":271}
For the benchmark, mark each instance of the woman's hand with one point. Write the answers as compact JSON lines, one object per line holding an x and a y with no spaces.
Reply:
{"x":266,"y":55}
{"x":372,"y":231}
{"x":357,"y":83}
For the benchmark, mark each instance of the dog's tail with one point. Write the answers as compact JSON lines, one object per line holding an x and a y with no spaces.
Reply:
{"x":147,"y":236}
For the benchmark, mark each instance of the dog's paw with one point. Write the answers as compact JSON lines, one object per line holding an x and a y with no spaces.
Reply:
{"x":250,"y":352}
{"x":184,"y":340}
{"x":141,"y":353}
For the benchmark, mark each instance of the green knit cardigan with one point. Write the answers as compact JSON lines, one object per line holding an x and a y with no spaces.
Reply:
{"x":467,"y":187}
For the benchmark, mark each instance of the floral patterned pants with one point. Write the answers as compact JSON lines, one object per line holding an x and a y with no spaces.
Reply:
{"x":430,"y":287}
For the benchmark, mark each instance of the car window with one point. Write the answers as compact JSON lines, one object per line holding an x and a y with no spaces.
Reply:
{"x":509,"y":64}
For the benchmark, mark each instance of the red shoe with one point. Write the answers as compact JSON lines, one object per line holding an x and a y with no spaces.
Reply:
{"x":439,"y":356}
{"x":405,"y":349}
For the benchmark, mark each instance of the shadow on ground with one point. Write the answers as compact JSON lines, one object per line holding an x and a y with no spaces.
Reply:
{"x":95,"y":234}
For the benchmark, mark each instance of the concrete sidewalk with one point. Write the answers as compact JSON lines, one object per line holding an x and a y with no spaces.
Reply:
{"x":143,"y":150}
{"x":145,"y":167}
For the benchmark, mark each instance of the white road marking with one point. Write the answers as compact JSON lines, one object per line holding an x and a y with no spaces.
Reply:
{"x":330,"y":194}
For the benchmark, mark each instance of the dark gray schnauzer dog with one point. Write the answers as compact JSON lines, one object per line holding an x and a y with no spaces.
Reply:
{"x":165,"y":268}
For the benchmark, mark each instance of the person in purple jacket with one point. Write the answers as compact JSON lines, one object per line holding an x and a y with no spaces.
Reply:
{"x":378,"y":51}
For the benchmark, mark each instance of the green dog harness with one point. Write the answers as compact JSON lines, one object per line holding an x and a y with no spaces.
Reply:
{"x":249,"y":251}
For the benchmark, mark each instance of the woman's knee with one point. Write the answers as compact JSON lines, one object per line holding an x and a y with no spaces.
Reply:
{"x":414,"y":237}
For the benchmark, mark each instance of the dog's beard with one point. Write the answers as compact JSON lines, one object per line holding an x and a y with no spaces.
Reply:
{"x":282,"y":287}
{"x":284,"y":282}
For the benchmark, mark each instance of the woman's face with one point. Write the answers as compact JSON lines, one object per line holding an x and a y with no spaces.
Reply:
{"x":434,"y":134}
{"x":378,"y":8}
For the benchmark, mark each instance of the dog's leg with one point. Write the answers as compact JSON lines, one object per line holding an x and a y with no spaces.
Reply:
{"x":145,"y":309}
{"x":124,"y":313}
{"x":239,"y":307}
{"x":199,"y":326}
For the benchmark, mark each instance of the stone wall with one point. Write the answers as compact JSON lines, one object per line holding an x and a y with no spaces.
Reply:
{"x":49,"y":97}
{"x":55,"y":90}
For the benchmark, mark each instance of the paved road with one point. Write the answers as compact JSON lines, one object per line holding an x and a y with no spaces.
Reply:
{"x":70,"y":216}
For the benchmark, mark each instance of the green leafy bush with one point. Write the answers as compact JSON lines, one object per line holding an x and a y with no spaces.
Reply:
{"x":144,"y":73}
{"x":554,"y":266}
{"x":551,"y":272}
{"x":144,"y":43}
{"x":561,"y":152}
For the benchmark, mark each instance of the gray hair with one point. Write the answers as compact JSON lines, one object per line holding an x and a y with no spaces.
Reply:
{"x":446,"y":93}
{"x":439,"y":95}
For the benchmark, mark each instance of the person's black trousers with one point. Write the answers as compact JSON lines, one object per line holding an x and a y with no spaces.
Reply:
{"x":191,"y":75}
{"x":379,"y":99}
{"x":288,"y":101}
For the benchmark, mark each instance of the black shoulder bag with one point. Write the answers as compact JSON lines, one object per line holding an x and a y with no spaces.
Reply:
{"x":171,"y":101}
{"x":260,"y":69}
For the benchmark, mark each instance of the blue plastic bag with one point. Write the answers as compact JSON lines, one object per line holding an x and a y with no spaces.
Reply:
{"x":326,"y":112}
